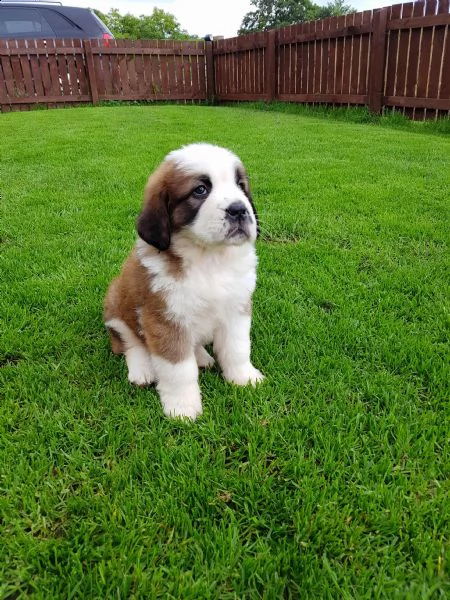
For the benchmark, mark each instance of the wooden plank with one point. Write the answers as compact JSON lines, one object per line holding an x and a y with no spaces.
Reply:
{"x":7,"y":71}
{"x":72,"y":78}
{"x":418,"y":21}
{"x":377,"y":60}
{"x":15,"y":50}
{"x":57,"y":99}
{"x":17,"y":78}
{"x":270,"y":75}
{"x":229,"y":97}
{"x":139,"y":78}
{"x":63,"y":70}
{"x":414,"y":49}
{"x":80,"y":68}
{"x":325,"y":98}
{"x":151,"y":76}
{"x":125,"y":47}
{"x":340,"y":57}
{"x":247,"y":42}
{"x":414,"y":101}
{"x":317,"y":58}
{"x":209,"y":78}
{"x":22,"y":46}
{"x":324,"y":63}
{"x":260,"y":79}
{"x":127,"y":51}
{"x":424,"y":62}
{"x":403,"y":52}
{"x":102,"y":69}
{"x":156,"y":97}
{"x":202,"y":76}
{"x":91,"y":71}
{"x":320,"y":34}
{"x":311,"y":57}
{"x":356,"y":57}
{"x":391,"y":54}
{"x":348,"y":43}
{"x":4,"y":97}
{"x":164,"y":81}
{"x":365,"y":55}
{"x":190,"y":81}
{"x":444,"y":90}
{"x":331,"y":80}
{"x":43,"y":68}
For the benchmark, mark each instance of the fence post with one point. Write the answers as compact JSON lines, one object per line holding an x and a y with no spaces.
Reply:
{"x":270,"y":71}
{"x":210,"y":83}
{"x":91,"y":71}
{"x":377,"y":60}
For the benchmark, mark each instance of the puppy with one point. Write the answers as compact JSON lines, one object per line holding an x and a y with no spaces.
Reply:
{"x":189,"y":279}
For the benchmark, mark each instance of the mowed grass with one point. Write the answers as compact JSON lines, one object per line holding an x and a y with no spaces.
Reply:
{"x":329,"y":480}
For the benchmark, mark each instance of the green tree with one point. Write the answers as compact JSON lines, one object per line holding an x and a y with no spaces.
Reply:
{"x":280,"y":13}
{"x":160,"y":25}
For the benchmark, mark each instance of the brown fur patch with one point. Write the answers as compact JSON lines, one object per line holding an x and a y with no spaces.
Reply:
{"x":130,"y":294}
{"x":168,"y":204}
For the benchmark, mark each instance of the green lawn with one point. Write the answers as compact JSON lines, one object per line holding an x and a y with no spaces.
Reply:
{"x":331,"y":479}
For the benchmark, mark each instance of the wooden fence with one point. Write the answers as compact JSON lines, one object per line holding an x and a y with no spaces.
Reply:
{"x":75,"y":71}
{"x":395,"y":57}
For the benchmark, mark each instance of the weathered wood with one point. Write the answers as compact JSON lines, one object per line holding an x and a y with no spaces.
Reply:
{"x":270,"y":75}
{"x":91,"y":71}
{"x":377,"y":60}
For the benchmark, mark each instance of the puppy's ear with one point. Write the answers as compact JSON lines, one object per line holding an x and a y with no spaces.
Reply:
{"x":153,"y":224}
{"x":249,"y":196}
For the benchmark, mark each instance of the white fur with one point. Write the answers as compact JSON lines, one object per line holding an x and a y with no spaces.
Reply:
{"x":178,"y":387}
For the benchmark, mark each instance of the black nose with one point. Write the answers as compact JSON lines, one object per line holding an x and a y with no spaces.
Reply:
{"x":236,"y":211}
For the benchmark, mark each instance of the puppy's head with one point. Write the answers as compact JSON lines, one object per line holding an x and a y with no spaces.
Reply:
{"x":201,"y":192}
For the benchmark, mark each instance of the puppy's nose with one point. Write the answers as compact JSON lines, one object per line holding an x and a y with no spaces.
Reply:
{"x":236,"y":211}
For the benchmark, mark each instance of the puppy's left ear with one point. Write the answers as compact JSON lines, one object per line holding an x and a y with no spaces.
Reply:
{"x":153,"y":224}
{"x":242,"y":177}
{"x":249,"y":196}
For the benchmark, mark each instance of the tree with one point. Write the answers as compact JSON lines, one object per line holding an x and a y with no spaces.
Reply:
{"x":160,"y":25}
{"x":270,"y":14}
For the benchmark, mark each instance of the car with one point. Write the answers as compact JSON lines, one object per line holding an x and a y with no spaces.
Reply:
{"x":46,"y":20}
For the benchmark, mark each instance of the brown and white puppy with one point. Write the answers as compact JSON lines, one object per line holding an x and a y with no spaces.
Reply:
{"x":190,"y":278}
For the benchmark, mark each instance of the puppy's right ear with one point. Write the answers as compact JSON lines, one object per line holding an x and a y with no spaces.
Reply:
{"x":153,"y":224}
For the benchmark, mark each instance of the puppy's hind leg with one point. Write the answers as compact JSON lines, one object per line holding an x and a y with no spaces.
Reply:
{"x":203,"y":358}
{"x":139,"y":360}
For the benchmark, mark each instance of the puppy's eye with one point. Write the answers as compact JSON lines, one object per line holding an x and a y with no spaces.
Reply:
{"x":200,"y":192}
{"x":241,"y":184}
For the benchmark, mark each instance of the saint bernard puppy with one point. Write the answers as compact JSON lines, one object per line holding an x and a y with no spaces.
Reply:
{"x":189,"y":279}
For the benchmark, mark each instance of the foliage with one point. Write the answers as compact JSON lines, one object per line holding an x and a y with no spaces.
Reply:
{"x":160,"y":25}
{"x":270,"y":14}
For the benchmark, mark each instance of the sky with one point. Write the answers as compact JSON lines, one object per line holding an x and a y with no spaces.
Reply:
{"x":201,"y":17}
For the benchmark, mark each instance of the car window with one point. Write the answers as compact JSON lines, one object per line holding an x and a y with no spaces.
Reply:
{"x":20,"y":21}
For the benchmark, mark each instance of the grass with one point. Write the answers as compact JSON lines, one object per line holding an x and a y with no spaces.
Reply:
{"x":331,"y":479}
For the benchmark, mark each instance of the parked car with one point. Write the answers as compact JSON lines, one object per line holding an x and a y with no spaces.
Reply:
{"x":40,"y":20}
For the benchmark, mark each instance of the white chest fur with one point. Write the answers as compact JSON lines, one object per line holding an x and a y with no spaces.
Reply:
{"x":216,"y":282}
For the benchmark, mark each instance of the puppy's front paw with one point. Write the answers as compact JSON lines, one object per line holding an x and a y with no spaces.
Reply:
{"x":244,"y":375}
{"x":188,"y":405}
{"x":140,"y":369}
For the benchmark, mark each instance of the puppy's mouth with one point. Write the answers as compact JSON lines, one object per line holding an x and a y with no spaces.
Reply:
{"x":237,"y":232}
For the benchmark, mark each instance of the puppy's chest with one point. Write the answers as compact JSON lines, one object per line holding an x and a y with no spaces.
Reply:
{"x":209,"y":291}
{"x":209,"y":294}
